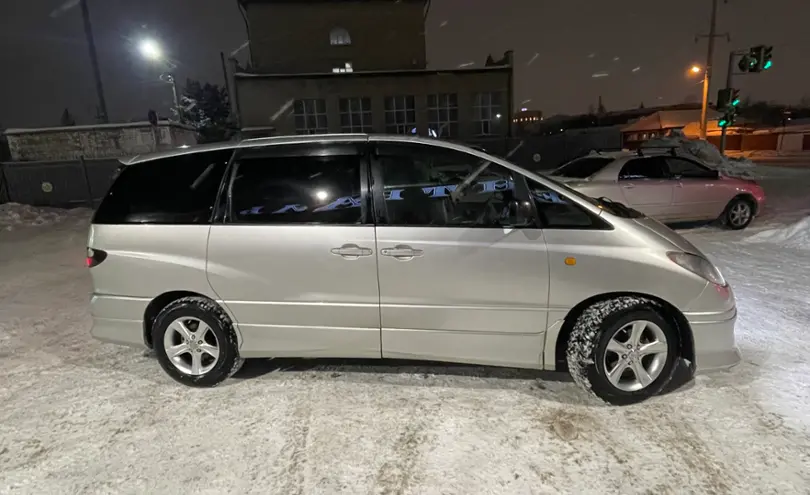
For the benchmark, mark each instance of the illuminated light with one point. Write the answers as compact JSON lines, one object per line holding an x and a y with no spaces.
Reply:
{"x":322,"y":195}
{"x":768,"y":65}
{"x":570,"y":261}
{"x":150,"y":49}
{"x":523,"y":109}
{"x":497,"y":116}
{"x":695,"y":69}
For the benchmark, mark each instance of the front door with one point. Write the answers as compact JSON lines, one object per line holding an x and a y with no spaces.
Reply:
{"x":293,"y":259}
{"x":460,"y":280}
{"x":647,"y":186}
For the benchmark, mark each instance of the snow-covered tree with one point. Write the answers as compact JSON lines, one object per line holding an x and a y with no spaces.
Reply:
{"x":206,"y":108}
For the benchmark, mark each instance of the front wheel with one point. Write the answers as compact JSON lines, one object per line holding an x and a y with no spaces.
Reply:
{"x":739,"y":213}
{"x":622,"y":350}
{"x":195,"y":342}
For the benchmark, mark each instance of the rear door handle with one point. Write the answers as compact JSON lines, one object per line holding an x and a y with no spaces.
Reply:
{"x":351,"y":251}
{"x":628,"y":186}
{"x":402,"y":252}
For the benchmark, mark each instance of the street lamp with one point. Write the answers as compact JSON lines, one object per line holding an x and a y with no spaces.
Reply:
{"x":696,"y":69}
{"x":151,"y":50}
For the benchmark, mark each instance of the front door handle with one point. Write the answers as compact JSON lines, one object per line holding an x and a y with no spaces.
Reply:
{"x":402,"y":252}
{"x":351,"y":251}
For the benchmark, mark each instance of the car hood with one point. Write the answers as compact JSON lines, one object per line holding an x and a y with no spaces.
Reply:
{"x":668,"y":234}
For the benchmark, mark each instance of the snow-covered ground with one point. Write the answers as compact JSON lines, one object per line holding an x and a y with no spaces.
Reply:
{"x":77,"y":416}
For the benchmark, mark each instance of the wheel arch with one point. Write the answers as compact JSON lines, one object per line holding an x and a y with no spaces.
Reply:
{"x":157,"y":304}
{"x":668,"y":311}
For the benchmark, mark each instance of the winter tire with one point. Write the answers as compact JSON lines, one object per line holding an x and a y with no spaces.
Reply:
{"x":739,"y":213}
{"x":195,"y":342}
{"x":622,"y":350}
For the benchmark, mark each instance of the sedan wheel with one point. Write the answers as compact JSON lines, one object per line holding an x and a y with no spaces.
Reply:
{"x":739,"y":213}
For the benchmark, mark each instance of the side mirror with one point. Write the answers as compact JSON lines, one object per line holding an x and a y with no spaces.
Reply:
{"x":520,"y":214}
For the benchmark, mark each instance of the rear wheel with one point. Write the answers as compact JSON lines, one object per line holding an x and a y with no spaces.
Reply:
{"x":195,"y":342}
{"x":622,"y":350}
{"x":739,"y":213}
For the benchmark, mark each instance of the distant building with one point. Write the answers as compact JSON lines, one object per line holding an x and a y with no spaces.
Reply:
{"x":527,"y":121}
{"x":96,"y":141}
{"x":321,"y":66}
{"x":659,"y":124}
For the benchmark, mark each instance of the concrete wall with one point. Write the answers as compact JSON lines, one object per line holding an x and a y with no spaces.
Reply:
{"x":261,"y":98}
{"x":293,"y":37}
{"x":58,"y":183}
{"x":95,"y":142}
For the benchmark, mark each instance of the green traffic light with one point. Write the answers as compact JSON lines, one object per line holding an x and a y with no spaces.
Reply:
{"x":722,"y":123}
{"x":735,"y":102}
{"x":768,"y":64}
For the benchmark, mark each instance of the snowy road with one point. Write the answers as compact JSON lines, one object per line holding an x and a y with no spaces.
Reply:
{"x":77,"y":416}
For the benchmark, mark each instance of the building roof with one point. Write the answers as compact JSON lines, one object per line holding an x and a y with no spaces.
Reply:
{"x":668,"y":119}
{"x":373,"y":73}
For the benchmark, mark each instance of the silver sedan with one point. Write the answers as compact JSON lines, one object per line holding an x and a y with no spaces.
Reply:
{"x":670,"y":188}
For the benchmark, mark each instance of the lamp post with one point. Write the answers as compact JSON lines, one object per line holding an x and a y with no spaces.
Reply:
{"x":151,"y":50}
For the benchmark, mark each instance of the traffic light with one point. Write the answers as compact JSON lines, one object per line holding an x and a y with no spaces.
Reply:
{"x":757,"y":59}
{"x":767,"y":53}
{"x":728,"y":98}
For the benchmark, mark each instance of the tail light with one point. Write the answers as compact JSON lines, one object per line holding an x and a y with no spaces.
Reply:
{"x":94,"y":257}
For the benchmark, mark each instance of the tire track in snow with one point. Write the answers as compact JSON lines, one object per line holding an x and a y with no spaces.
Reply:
{"x":293,"y":474}
{"x":397,"y":474}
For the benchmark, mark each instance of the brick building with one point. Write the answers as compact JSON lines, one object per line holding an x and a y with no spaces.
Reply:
{"x":360,"y":66}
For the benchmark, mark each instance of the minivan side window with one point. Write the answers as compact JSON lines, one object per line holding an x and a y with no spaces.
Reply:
{"x":175,"y":190}
{"x":418,"y":180}
{"x":558,"y":212}
{"x":645,"y":168}
{"x":297,"y":189}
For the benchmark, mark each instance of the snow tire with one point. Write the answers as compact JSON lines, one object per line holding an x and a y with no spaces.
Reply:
{"x":588,"y":341}
{"x":215,"y":317}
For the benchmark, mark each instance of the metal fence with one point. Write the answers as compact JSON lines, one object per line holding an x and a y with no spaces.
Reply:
{"x":62,"y":184}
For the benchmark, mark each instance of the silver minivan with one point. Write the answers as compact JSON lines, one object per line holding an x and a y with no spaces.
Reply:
{"x":374,"y":246}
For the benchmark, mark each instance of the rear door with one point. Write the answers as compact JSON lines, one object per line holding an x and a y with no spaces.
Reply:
{"x":293,"y":254}
{"x":698,"y":194}
{"x":647,"y":186}
{"x":462,"y":281}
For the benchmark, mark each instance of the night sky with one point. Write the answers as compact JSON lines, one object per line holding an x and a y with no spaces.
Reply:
{"x":559,"y":46}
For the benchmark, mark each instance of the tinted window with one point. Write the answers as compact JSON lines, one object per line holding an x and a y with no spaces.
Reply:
{"x":645,"y":168}
{"x":558,"y":212}
{"x":297,"y":189}
{"x":582,"y":168}
{"x":418,"y":181}
{"x":177,"y":190}
{"x":680,"y":167}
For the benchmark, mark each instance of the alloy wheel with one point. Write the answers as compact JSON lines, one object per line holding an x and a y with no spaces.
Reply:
{"x":191,"y":346}
{"x":740,"y":214}
{"x":635,"y":356}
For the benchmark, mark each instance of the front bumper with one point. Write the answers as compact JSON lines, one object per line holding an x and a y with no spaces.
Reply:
{"x":712,"y":318}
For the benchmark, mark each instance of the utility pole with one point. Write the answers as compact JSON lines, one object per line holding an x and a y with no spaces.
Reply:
{"x":729,"y":78}
{"x":91,"y":45}
{"x":707,"y":76}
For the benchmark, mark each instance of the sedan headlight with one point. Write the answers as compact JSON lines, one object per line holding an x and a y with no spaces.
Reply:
{"x":698,"y":265}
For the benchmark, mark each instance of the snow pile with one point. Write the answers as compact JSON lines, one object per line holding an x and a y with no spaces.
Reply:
{"x":14,"y":215}
{"x":707,"y":153}
{"x":796,"y":236}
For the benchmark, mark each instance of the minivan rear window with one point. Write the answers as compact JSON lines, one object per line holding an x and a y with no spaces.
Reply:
{"x":176,"y":190}
{"x":582,"y":168}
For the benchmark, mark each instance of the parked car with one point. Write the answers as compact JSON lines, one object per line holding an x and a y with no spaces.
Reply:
{"x":671,"y":188}
{"x":371,"y":246}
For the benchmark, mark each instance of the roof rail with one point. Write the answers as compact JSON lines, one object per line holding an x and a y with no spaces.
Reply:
{"x":671,"y":147}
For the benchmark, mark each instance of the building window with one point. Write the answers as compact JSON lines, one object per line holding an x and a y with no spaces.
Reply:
{"x":487,"y":111}
{"x":347,"y":67}
{"x":400,"y":115}
{"x":339,"y":37}
{"x":310,"y":116}
{"x":355,"y":115}
{"x":443,"y":115}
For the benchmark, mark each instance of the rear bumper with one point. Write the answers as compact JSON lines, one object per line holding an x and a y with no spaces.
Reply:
{"x":118,"y":320}
{"x":713,"y":335}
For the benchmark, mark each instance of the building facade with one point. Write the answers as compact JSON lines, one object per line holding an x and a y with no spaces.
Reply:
{"x":321,"y":66}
